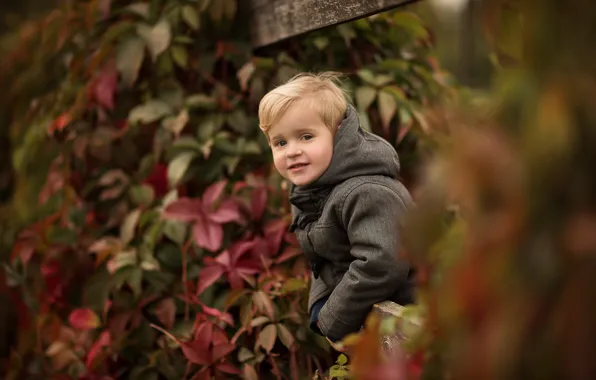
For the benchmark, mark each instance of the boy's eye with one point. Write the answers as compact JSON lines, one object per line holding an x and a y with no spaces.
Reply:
{"x":307,"y":137}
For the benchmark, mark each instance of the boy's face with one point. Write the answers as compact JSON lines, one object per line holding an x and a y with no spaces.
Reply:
{"x":301,"y":144}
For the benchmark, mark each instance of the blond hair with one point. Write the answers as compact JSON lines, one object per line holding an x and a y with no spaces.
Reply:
{"x":322,"y":90}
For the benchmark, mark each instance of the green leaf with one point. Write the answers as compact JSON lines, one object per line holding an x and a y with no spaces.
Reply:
{"x":292,"y":285}
{"x":397,"y":93}
{"x":387,"y":108}
{"x":412,"y":23}
{"x":142,"y":195}
{"x":285,"y":335}
{"x":366,"y":76}
{"x":339,"y":372}
{"x":149,"y":112}
{"x":148,"y":261}
{"x":191,"y":17}
{"x":141,"y":9}
{"x":134,"y":279}
{"x":178,"y":166}
{"x":176,"y":231}
{"x":365,"y":95}
{"x":180,"y":56}
{"x":156,"y":37}
{"x":129,"y":57}
{"x":201,"y":101}
{"x":127,"y":229}
{"x":239,"y":121}
{"x":121,"y":260}
{"x":176,"y":124}
{"x":267,"y":337}
{"x":321,"y":42}
{"x":342,"y":359}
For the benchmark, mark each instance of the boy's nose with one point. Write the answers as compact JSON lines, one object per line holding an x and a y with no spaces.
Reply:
{"x":293,"y":151}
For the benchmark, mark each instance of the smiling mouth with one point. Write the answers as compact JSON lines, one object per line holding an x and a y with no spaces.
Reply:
{"x":297,"y":166}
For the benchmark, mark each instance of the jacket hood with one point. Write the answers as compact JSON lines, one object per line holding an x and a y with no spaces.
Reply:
{"x":356,"y":152}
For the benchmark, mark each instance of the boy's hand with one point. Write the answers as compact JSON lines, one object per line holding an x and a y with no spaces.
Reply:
{"x":337,"y":346}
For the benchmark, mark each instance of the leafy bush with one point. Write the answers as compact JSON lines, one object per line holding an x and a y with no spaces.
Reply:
{"x":159,"y":248}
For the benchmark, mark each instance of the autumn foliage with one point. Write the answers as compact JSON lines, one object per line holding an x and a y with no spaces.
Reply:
{"x":157,"y":246}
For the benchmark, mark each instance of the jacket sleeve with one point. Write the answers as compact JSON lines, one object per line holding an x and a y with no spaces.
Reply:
{"x":371,"y":214}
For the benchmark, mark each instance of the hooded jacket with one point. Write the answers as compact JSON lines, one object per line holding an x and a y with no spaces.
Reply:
{"x":348,"y":223}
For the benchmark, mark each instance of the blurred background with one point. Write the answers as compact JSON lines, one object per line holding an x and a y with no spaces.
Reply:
{"x":143,"y":230}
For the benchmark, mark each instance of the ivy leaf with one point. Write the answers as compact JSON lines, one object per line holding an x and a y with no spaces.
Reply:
{"x":165,"y":312}
{"x":412,"y":23}
{"x":285,"y":335}
{"x":157,"y":37}
{"x":129,"y":57}
{"x":342,"y":359}
{"x":365,"y":95}
{"x":176,"y":231}
{"x":127,"y":229}
{"x":263,"y":302}
{"x":267,"y":337}
{"x":177,"y":124}
{"x":180,"y":55}
{"x":366,"y":76}
{"x":191,"y":17}
{"x":149,"y":112}
{"x":387,"y":108}
{"x":178,"y":167}
{"x":142,"y":195}
{"x":83,"y":319}
{"x":245,"y":73}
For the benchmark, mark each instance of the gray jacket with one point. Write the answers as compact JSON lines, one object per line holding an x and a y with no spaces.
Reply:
{"x":347,"y":223}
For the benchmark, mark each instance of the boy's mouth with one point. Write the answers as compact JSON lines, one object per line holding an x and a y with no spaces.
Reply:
{"x":297,"y":166}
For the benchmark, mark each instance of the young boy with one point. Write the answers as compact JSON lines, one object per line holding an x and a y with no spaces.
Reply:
{"x":347,"y":204}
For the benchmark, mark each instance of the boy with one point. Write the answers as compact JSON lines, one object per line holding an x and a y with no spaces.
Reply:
{"x":347,"y":204}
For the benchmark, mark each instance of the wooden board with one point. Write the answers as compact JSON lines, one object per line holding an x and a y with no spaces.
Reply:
{"x":276,"y":20}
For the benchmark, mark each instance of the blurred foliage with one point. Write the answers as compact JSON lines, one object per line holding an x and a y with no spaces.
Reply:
{"x":506,"y":282}
{"x":152,"y":228}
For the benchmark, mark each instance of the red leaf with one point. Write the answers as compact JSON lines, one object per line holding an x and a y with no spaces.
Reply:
{"x":219,"y":337}
{"x":221,"y":350}
{"x":238,"y":249}
{"x":195,"y":352}
{"x":235,"y":280}
{"x":223,"y":316}
{"x":60,"y":123}
{"x":258,"y":200}
{"x":213,"y":192}
{"x":104,"y":86}
{"x":228,"y":368}
{"x":224,"y":259}
{"x":207,"y":277}
{"x":204,"y":374}
{"x":83,"y":319}
{"x":184,"y":209}
{"x":104,"y":340}
{"x":207,"y":234}
{"x":24,"y":250}
{"x":166,"y":312}
{"x":227,"y":212}
{"x":158,"y":179}
{"x":204,"y":335}
{"x":288,"y":253}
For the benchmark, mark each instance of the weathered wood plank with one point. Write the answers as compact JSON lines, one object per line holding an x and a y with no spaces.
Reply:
{"x":275,"y":20}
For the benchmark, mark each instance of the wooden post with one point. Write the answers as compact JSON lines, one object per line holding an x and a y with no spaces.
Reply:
{"x":276,"y":20}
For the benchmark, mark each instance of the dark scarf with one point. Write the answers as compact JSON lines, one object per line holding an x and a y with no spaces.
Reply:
{"x":310,"y":203}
